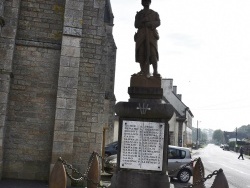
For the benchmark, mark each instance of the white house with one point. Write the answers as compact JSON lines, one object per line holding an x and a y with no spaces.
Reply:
{"x":180,"y":125}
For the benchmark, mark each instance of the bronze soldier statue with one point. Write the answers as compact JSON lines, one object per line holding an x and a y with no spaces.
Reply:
{"x":146,"y":50}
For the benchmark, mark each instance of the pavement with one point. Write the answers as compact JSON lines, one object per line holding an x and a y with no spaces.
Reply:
{"x":11,"y":183}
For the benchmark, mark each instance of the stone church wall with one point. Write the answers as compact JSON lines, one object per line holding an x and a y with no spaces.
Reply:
{"x":57,"y":73}
{"x":28,"y":131}
{"x":95,"y":92}
{"x":30,"y":115}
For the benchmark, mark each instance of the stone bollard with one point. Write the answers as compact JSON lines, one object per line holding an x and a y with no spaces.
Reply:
{"x":58,"y":177}
{"x":94,"y":174}
{"x":220,"y":180}
{"x":198,"y":174}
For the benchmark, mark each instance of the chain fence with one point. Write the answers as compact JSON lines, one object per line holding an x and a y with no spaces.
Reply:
{"x":203,"y":180}
{"x":215,"y":173}
{"x":81,"y":177}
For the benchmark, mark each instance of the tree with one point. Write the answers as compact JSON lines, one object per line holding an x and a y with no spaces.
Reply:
{"x":245,"y":129}
{"x":218,"y":136}
{"x":203,"y":137}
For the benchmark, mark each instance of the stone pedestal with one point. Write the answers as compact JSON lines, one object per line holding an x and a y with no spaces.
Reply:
{"x":139,"y":179}
{"x":145,"y":106}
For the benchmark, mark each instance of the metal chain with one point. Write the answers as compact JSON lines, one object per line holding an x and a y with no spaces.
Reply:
{"x":98,"y":155}
{"x":82,"y":176}
{"x":216,"y":172}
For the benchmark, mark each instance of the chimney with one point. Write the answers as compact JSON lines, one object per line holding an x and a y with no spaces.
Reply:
{"x":175,"y":89}
{"x":179,"y":96}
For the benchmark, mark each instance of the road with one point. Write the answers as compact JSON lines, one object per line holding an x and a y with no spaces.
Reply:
{"x":236,"y":171}
{"x":213,"y":157}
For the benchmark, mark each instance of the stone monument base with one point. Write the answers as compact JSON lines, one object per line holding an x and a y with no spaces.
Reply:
{"x":142,"y":81}
{"x":142,"y":88}
{"x":145,"y":111}
{"x":139,"y":179}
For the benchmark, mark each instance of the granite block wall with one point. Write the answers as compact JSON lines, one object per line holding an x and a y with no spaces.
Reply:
{"x":32,"y":35}
{"x":57,"y":74}
{"x":9,"y":10}
{"x":30,"y":116}
{"x":91,"y":114}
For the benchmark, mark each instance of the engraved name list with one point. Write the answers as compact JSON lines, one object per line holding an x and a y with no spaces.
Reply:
{"x":142,"y":145}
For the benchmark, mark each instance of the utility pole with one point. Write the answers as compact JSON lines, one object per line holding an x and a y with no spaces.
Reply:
{"x":236,"y":138}
{"x":197,"y":138}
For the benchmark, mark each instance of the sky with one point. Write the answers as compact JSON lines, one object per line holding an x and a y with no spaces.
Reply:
{"x":204,"y":47}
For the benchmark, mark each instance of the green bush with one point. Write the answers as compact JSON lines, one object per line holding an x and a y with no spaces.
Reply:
{"x":231,"y":144}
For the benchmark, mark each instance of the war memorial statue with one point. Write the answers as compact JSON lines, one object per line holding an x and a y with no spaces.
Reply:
{"x":146,"y":50}
{"x":143,"y":121}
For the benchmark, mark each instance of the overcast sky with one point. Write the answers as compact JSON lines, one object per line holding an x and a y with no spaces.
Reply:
{"x":204,"y":47}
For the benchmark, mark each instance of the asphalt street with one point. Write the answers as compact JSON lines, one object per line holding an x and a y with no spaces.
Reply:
{"x":236,"y":171}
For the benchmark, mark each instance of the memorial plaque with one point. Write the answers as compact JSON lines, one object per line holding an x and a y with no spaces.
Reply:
{"x":142,"y":145}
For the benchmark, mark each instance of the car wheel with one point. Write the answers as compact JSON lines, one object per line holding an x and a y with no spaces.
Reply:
{"x":184,"y":176}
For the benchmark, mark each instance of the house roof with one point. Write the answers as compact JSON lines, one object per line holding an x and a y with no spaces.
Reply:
{"x":170,"y":95}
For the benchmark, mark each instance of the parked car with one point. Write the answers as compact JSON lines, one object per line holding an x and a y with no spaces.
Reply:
{"x":226,"y":147}
{"x":111,"y":149}
{"x":221,"y":146}
{"x":177,"y":158}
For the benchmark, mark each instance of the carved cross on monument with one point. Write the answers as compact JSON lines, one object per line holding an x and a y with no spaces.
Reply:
{"x":143,"y":109}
